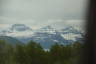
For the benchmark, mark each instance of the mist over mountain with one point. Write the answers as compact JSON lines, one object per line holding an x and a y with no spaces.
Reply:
{"x":46,"y":35}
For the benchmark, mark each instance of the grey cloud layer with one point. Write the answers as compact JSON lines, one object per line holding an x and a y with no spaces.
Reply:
{"x":42,"y":11}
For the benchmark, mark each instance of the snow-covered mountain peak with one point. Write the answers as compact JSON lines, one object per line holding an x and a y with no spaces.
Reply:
{"x":47,"y":29}
{"x":20,"y":27}
{"x":17,"y":30}
{"x":70,"y":29}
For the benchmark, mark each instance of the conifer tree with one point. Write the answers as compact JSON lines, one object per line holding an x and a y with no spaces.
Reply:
{"x":20,"y":55}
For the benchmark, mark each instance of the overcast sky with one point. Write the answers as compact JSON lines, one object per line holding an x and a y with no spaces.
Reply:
{"x":43,"y":12}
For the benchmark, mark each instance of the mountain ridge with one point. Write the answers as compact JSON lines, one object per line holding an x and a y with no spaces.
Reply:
{"x":46,"y":36}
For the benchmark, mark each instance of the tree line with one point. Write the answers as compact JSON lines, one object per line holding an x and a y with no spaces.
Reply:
{"x":33,"y":53}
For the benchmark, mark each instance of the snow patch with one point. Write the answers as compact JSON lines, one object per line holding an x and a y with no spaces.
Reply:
{"x":71,"y":36}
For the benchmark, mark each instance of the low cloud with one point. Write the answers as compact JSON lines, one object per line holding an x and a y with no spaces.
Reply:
{"x":35,"y":24}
